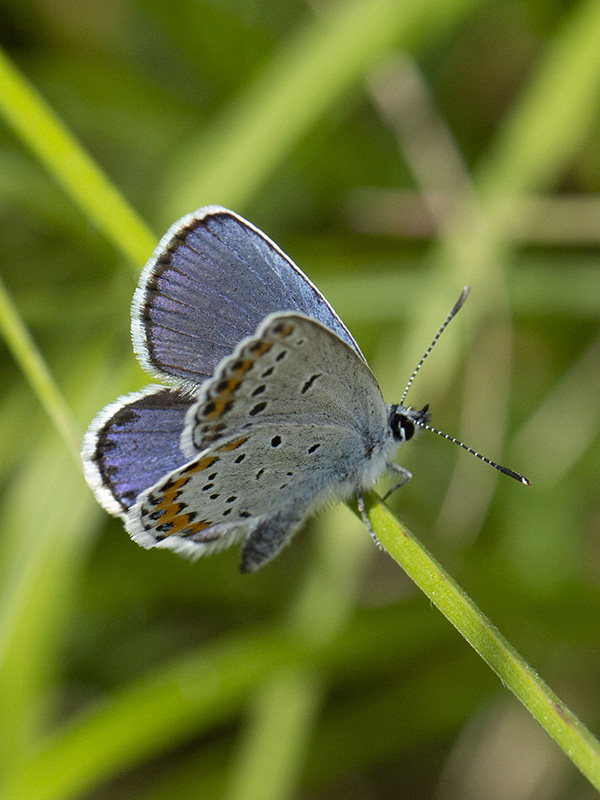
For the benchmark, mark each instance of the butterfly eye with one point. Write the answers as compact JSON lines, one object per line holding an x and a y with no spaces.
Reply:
{"x":401,"y":424}
{"x":407,"y":427}
{"x":405,"y":421}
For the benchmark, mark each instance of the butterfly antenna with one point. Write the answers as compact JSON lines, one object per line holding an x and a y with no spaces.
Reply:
{"x":510,"y":472}
{"x":421,"y":423}
{"x":453,"y":313}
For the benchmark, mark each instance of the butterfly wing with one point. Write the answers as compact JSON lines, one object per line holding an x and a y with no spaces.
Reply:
{"x":269,"y":439}
{"x":293,"y":369}
{"x":258,"y":487}
{"x":133,"y":443}
{"x":212,"y":279}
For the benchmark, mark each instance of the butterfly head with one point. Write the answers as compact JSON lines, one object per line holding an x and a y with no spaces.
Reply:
{"x":404,"y":421}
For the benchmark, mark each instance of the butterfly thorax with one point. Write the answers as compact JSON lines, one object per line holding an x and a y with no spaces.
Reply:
{"x":405,"y":421}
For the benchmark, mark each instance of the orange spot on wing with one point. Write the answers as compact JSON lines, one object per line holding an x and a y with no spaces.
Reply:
{"x":258,"y":350}
{"x":181,"y":524}
{"x":285,"y":331}
{"x":199,"y":466}
{"x":222,"y":399}
{"x":227,"y":448}
{"x":172,"y":492}
{"x":196,"y":527}
{"x":170,"y":495}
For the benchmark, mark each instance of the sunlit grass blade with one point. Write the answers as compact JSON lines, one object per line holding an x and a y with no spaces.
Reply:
{"x":48,"y":521}
{"x":34,"y":122}
{"x":49,"y":139}
{"x":34,"y":367}
{"x":38,"y":582}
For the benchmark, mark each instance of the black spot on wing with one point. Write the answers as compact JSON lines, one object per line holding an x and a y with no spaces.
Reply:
{"x":310,"y":382}
{"x":257,"y":408}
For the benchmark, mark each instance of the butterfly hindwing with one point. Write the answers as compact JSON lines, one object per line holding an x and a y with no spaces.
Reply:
{"x":132,"y":443}
{"x":271,"y":476}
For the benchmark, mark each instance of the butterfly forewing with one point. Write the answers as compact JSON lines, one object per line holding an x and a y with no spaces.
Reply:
{"x":211,"y":281}
{"x":293,"y":370}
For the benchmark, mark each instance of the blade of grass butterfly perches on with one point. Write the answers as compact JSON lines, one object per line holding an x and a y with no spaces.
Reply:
{"x":271,"y":409}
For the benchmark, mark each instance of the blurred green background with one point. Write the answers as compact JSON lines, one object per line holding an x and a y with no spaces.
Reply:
{"x":397,"y":151}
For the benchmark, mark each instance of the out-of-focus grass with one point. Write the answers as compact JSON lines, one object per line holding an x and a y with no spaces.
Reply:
{"x":77,"y":624}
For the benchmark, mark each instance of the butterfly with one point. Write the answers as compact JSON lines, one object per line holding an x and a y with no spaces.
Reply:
{"x":267,"y":409}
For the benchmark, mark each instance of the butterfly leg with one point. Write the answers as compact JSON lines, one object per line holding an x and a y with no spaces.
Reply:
{"x":406,"y":476}
{"x":266,"y":540}
{"x":360,"y":501}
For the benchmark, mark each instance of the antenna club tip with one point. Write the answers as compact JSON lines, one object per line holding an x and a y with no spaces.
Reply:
{"x":516,"y":475}
{"x":459,"y":303}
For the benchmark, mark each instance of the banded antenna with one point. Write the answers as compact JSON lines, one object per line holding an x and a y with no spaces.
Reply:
{"x":421,"y":424}
{"x":456,"y":308}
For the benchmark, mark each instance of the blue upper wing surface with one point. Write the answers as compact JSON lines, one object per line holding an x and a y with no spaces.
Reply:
{"x":211,"y":281}
{"x":132,"y":444}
